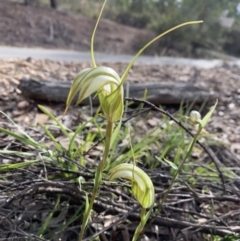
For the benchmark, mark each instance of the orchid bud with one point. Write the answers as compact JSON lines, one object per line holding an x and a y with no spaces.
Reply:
{"x":194,"y":118}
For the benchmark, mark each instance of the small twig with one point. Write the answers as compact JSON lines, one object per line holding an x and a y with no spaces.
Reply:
{"x":123,"y":217}
{"x":211,"y":229}
{"x":95,"y":145}
{"x":221,"y":198}
{"x":182,"y":210}
{"x":136,"y":114}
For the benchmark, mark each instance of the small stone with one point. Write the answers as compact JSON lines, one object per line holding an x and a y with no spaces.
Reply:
{"x":22,"y":105}
{"x":16,"y":113}
{"x":231,"y":105}
{"x":41,"y":118}
{"x":221,"y":113}
{"x":153,"y":122}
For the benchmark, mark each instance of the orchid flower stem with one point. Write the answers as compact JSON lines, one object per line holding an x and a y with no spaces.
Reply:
{"x":98,"y":178}
{"x":109,"y":132}
{"x":141,"y":225}
{"x":144,"y":218}
{"x":190,"y":148}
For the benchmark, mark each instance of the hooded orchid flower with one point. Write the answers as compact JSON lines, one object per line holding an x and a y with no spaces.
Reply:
{"x":142,"y":186}
{"x":107,"y":83}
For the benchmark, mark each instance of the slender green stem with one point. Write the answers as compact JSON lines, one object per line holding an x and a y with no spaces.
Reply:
{"x":109,"y":132}
{"x":144,"y":218}
{"x":93,"y":35}
{"x":140,"y":225}
{"x":98,"y":178}
{"x":179,"y":168}
{"x":152,"y":41}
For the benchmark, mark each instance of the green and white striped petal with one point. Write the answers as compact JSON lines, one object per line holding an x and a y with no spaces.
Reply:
{"x":112,"y":104}
{"x":107,"y":83}
{"x":142,"y":186}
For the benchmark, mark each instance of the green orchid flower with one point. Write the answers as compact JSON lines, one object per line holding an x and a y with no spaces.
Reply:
{"x":142,"y":186}
{"x":107,"y":83}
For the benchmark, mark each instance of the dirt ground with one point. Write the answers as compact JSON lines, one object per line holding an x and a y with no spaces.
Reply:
{"x":44,"y":27}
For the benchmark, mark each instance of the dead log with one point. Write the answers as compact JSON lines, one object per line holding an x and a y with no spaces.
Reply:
{"x":157,"y":92}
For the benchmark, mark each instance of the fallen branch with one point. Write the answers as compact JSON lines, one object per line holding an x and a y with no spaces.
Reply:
{"x":157,"y":92}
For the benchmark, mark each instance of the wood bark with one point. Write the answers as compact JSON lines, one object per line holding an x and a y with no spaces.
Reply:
{"x":157,"y":92}
{"x":53,"y":3}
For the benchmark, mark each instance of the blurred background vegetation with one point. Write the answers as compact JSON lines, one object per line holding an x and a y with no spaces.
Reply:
{"x":220,"y":31}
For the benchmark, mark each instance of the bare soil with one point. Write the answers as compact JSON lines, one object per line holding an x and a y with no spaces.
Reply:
{"x":48,"y":28}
